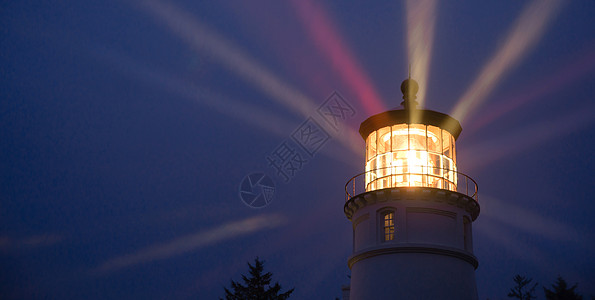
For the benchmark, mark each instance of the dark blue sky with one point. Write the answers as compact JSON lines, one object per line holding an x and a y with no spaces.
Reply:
{"x":127,"y":127}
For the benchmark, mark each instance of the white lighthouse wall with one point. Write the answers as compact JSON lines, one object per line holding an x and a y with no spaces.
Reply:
{"x":396,"y":269}
{"x":412,"y":276}
{"x":363,"y":232}
{"x":425,"y":225}
{"x":415,"y":222}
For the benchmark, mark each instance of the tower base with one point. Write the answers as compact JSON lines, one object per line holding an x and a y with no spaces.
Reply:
{"x":413,"y":272}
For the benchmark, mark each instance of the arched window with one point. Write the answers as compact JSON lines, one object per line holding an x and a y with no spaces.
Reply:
{"x":388,"y":226}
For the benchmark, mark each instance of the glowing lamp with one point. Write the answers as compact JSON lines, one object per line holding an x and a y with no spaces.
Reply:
{"x":410,"y":147}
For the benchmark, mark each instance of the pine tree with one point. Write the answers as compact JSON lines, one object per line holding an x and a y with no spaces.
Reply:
{"x":521,"y":290}
{"x":560,"y":291}
{"x":257,"y":287}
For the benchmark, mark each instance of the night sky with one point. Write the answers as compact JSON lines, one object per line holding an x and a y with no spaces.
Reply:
{"x":127,"y":127}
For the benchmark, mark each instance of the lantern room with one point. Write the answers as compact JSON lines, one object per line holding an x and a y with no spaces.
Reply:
{"x":410,"y":147}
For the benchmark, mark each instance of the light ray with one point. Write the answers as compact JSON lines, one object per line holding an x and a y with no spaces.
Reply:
{"x":35,"y":241}
{"x":506,"y":238}
{"x":240,"y":110}
{"x":250,"y":114}
{"x":526,"y":220}
{"x":192,"y":242}
{"x":205,"y":40}
{"x":553,"y":83}
{"x":525,"y":33}
{"x":421,"y":18}
{"x":478,"y":156}
{"x":329,"y":42}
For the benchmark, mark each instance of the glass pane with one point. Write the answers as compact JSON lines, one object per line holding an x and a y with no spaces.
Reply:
{"x":388,"y":218}
{"x":383,"y":183}
{"x":371,"y":186}
{"x":371,"y":165}
{"x":399,"y":164}
{"x":384,"y":140}
{"x":417,"y":161}
{"x":448,"y":185}
{"x":452,"y":174}
{"x":370,"y":174}
{"x":446,"y":166}
{"x":417,"y":137}
{"x":435,"y":164}
{"x":389,"y":226}
{"x":400,"y":137}
{"x":435,"y":182}
{"x":383,"y":166}
{"x":371,"y":146}
{"x":446,"y":146}
{"x":434,"y":139}
{"x":454,"y":152}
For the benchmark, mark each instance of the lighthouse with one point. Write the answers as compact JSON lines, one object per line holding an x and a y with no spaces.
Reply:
{"x":411,"y":209}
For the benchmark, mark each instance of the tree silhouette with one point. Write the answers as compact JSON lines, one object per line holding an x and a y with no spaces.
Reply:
{"x":257,"y":287}
{"x":560,"y":291}
{"x":521,"y":290}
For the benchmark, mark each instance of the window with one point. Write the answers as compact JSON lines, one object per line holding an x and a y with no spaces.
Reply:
{"x":388,"y":226}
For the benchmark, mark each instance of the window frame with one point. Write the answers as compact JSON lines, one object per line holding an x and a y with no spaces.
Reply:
{"x":387,"y":236}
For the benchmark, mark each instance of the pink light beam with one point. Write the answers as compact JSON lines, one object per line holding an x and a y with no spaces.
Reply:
{"x":329,"y":42}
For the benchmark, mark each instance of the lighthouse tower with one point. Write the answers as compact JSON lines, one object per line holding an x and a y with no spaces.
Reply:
{"x":411,"y":209}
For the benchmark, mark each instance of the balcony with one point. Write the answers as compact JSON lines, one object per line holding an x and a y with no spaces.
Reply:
{"x":398,"y":177}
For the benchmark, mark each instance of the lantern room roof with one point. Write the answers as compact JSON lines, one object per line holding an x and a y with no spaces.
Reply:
{"x":411,"y":116}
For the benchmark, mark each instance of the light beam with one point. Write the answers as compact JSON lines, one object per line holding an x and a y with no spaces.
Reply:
{"x":250,"y":114}
{"x":205,"y":40}
{"x":329,"y":42}
{"x":260,"y":118}
{"x":528,"y":221}
{"x":191,"y":242}
{"x":553,"y":83}
{"x":480,"y":155}
{"x":421,"y":18}
{"x":525,"y":33}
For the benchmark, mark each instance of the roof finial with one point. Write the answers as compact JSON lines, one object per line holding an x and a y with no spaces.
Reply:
{"x":409,"y":87}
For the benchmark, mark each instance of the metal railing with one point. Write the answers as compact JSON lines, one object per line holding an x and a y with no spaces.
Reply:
{"x":464,"y":184}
